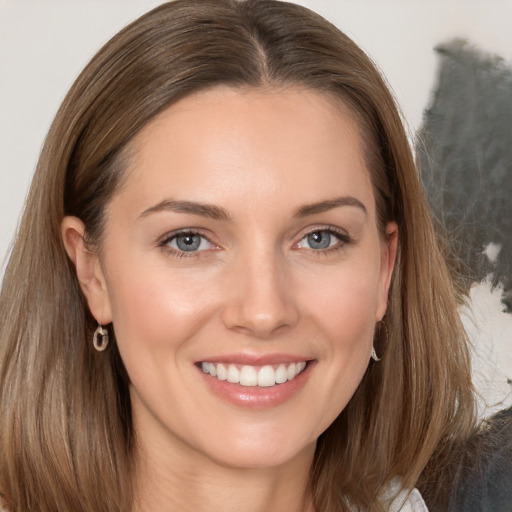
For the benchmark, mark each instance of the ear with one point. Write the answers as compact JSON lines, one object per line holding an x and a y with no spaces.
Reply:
{"x":88,"y":269}
{"x":388,"y":259}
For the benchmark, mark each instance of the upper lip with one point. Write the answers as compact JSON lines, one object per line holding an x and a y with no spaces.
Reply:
{"x":256,"y":359}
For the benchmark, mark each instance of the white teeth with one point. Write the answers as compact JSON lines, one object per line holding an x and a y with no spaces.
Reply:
{"x":222,"y":373}
{"x":248,"y":376}
{"x":264,"y":376}
{"x":233,"y":375}
{"x":281,"y":374}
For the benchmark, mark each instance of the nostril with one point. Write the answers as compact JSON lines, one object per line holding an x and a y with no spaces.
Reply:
{"x":259,"y":303}
{"x":260,"y":322}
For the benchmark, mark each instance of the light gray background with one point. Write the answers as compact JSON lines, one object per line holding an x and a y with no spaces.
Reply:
{"x":45,"y":43}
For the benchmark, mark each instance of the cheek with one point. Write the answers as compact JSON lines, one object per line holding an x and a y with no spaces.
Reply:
{"x":153,"y":309}
{"x":341,"y":313}
{"x":345,"y":302}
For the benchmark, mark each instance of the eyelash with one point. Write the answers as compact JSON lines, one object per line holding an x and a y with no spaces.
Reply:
{"x":343,"y":240}
{"x":177,"y":253}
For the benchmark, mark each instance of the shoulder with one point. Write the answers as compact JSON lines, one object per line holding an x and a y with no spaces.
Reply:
{"x":396,"y":499}
{"x":484,"y":481}
{"x":408,"y":502}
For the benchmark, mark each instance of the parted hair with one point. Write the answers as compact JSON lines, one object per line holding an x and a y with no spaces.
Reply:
{"x":67,"y":442}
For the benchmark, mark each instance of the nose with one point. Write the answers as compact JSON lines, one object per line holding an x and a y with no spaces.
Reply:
{"x":261,"y":300}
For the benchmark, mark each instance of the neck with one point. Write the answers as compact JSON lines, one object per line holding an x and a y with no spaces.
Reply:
{"x":169,"y":484}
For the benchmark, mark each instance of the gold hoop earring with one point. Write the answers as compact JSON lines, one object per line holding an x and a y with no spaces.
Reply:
{"x":100,"y":338}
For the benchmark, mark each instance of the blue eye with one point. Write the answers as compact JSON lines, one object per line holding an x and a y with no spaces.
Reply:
{"x":187,"y":242}
{"x":322,"y":239}
{"x":319,"y":240}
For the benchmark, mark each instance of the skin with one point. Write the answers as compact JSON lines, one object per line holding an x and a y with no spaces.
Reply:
{"x":256,"y":286}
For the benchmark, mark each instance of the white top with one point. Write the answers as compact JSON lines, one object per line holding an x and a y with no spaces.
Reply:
{"x":405,"y":501}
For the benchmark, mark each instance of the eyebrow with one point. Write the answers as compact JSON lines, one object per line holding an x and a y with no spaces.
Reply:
{"x":218,"y":213}
{"x":324,"y":206}
{"x":191,"y":207}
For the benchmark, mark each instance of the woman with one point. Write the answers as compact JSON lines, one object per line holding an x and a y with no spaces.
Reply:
{"x":226,"y":290}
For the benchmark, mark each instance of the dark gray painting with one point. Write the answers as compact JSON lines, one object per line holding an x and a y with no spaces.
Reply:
{"x":465,"y":153}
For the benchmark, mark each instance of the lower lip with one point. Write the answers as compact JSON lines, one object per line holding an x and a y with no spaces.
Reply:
{"x":255,"y":397}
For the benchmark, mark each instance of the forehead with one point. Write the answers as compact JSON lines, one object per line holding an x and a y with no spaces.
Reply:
{"x":249,"y":142}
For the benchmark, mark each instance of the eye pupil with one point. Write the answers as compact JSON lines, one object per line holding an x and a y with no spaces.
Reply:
{"x":188,"y":242}
{"x":319,"y":240}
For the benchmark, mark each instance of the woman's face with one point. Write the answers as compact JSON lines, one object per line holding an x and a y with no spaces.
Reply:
{"x":243,"y":271}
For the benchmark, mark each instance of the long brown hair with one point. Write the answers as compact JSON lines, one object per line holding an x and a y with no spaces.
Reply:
{"x":67,"y":440}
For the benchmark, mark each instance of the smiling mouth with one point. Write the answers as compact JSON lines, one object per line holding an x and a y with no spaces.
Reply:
{"x":260,"y":376}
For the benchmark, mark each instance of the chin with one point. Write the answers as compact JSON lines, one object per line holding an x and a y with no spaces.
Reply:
{"x":262,"y":455}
